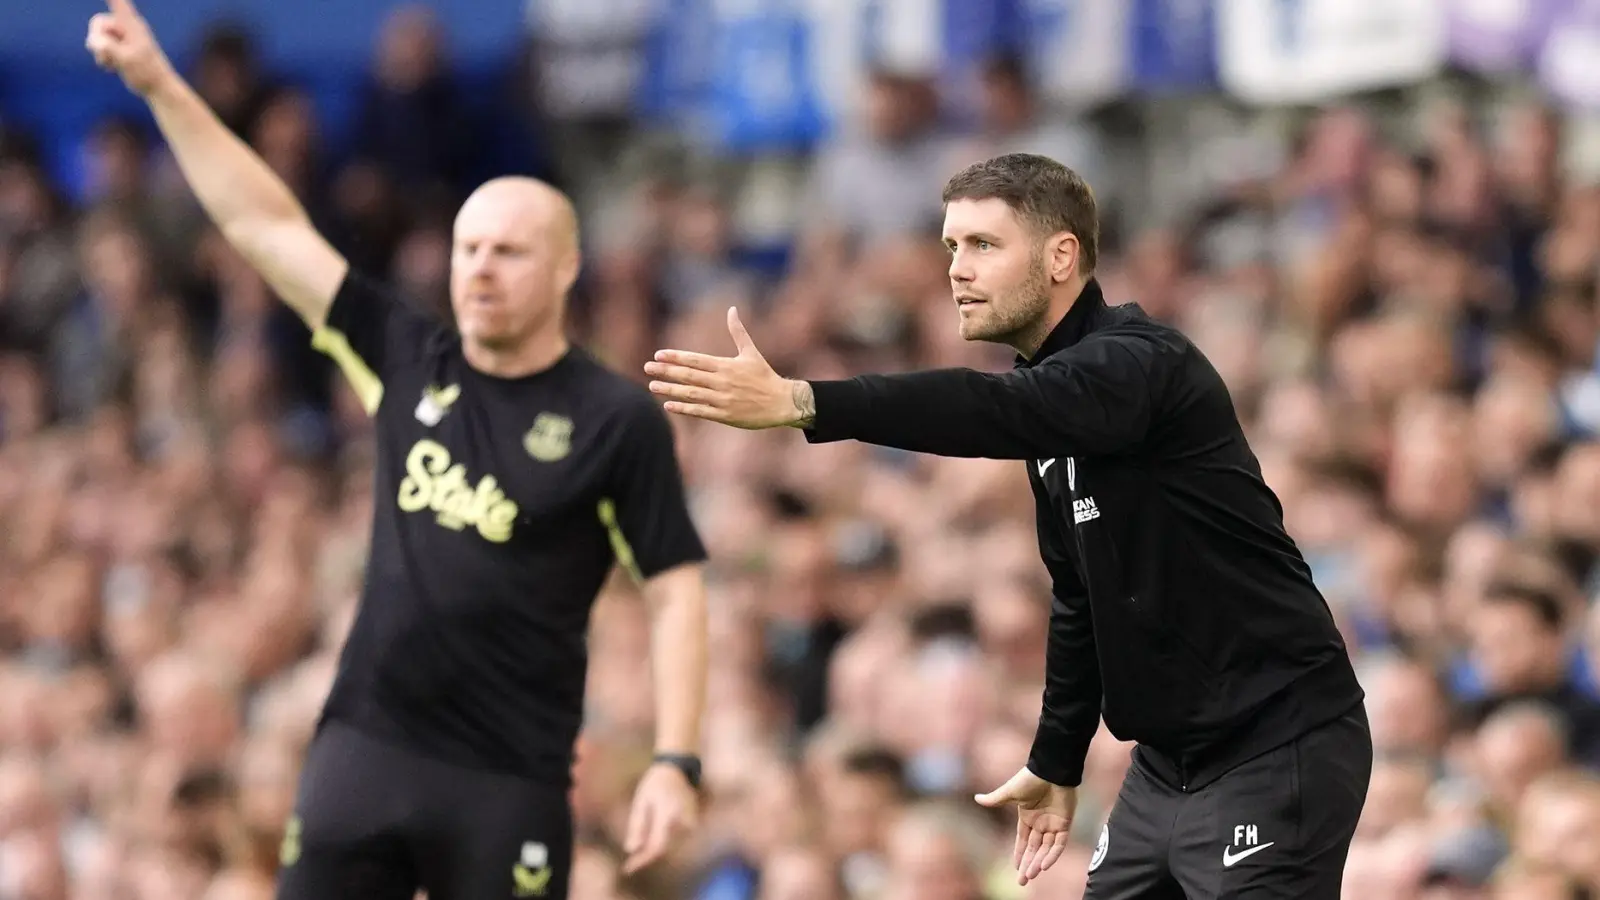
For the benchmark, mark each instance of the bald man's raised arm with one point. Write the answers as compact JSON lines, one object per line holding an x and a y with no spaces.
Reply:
{"x":254,"y":209}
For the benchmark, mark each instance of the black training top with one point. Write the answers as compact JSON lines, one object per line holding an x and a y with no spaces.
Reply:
{"x":500,"y":506}
{"x":1183,"y":611}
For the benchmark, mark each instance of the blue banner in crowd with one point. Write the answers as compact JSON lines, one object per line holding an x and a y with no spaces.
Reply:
{"x":1174,"y":44}
{"x":677,"y":60}
{"x":763,"y":97}
{"x":1569,"y":64}
{"x":1500,"y":35}
{"x":295,"y":33}
{"x":948,"y":40}
{"x":973,"y":34}
{"x":1078,"y":48}
{"x":780,"y":74}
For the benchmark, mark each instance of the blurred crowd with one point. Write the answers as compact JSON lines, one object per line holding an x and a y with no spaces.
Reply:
{"x":1409,"y":330}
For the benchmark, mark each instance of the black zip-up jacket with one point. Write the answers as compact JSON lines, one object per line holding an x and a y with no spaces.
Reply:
{"x":1183,"y":611}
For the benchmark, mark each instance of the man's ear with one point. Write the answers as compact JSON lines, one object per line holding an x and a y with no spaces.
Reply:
{"x":1062,"y":256}
{"x":568,"y":273}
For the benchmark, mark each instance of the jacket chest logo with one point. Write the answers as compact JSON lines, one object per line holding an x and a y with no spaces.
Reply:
{"x":1072,"y":470}
{"x":1084,"y":510}
{"x":550,"y":438}
{"x":435,"y":402}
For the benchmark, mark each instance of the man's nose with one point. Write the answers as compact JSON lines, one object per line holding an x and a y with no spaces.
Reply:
{"x":478,"y":263}
{"x":959,"y":269}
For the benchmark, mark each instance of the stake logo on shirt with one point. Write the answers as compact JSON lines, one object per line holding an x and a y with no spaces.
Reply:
{"x":432,"y":483}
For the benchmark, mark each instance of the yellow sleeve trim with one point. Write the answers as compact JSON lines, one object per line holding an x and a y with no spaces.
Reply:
{"x":368,"y":387}
{"x":619,"y":541}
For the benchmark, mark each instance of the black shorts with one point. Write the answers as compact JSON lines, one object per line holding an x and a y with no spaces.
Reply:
{"x":1279,"y":825}
{"x":377,"y":822}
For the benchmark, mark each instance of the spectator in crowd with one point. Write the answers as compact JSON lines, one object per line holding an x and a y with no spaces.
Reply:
{"x":228,"y":76}
{"x":411,"y":124}
{"x":1520,"y":646}
{"x":883,"y":178}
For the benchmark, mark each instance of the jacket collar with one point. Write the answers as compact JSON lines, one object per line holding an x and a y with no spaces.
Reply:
{"x":1073,"y":326}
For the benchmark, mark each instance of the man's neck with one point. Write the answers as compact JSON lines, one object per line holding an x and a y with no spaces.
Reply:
{"x":1030,"y":340}
{"x":536,"y":355}
{"x":1062,"y":300}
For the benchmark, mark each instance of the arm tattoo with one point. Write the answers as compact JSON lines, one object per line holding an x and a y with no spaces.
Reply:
{"x":806,"y":403}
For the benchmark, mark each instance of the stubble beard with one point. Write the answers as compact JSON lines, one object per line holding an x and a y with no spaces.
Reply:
{"x":508,"y":340}
{"x":1014,"y":318}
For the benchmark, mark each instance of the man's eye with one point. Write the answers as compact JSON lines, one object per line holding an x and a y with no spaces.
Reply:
{"x":984,"y":245}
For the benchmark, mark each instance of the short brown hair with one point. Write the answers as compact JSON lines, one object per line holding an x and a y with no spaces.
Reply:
{"x":1049,"y":196}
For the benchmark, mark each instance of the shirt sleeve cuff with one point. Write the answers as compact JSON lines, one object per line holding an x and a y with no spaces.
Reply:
{"x":354,"y":303}
{"x":840,"y":406}
{"x":1058,"y":758}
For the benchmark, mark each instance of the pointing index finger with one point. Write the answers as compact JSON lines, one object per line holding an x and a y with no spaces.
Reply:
{"x":681,"y":374}
{"x":122,"y":9}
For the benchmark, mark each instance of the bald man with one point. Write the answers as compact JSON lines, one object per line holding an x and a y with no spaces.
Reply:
{"x":513,"y":472}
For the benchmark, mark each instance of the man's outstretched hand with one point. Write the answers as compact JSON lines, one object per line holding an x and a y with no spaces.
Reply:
{"x":1044,"y":818}
{"x":742,"y":391}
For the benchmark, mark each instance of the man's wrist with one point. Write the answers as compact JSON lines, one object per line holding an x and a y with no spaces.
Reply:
{"x":1058,"y":757}
{"x":687,"y":763}
{"x":169,"y":86}
{"x":805,"y":403}
{"x":1052,"y":775}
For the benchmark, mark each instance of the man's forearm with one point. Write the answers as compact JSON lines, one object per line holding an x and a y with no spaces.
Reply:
{"x":1095,"y":398}
{"x":231,"y":181}
{"x":1071,"y":713}
{"x":254,"y":209}
{"x":678,"y":648}
{"x":949,"y":412}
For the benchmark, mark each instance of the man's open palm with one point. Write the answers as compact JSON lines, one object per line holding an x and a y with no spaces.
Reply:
{"x":742,"y":390}
{"x":1044,"y":818}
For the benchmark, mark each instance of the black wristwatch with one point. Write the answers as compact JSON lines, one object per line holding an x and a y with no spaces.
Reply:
{"x":686,"y":763}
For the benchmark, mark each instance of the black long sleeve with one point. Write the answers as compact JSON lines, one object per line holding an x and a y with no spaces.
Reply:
{"x":1096,"y":397}
{"x":1072,"y":691}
